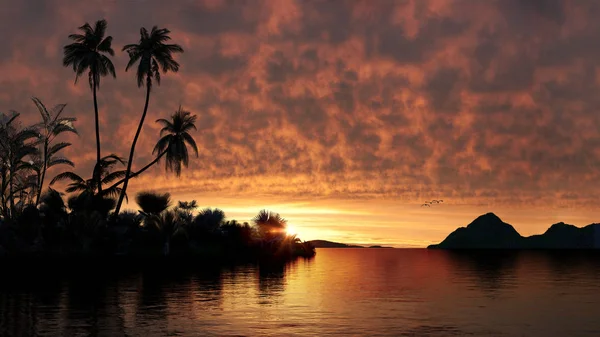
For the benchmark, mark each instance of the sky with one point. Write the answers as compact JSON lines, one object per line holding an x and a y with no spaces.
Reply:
{"x":343,"y":116}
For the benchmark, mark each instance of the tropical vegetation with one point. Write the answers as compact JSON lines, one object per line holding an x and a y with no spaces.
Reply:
{"x":85,"y":219}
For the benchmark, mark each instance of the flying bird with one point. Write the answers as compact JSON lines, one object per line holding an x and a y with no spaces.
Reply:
{"x":425,"y":204}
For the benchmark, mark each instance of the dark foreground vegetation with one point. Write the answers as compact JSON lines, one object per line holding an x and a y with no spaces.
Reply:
{"x":157,"y":230}
{"x":86,"y":220}
{"x":489,"y":232}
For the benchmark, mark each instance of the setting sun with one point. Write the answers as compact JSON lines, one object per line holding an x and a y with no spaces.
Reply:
{"x":291,"y":230}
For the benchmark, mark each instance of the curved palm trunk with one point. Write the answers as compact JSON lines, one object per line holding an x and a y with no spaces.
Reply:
{"x":135,"y":174}
{"x":96,"y":168}
{"x":130,"y":161}
{"x":43,"y":173}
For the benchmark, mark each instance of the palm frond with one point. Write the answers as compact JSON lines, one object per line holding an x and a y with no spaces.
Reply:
{"x":60,"y":160}
{"x":152,"y":55}
{"x":190,"y":141}
{"x":76,"y":187}
{"x":109,"y":178}
{"x":68,"y":176}
{"x":42,"y":109}
{"x":162,"y":144}
{"x":114,"y":192}
{"x":60,"y":128}
{"x":113,"y":158}
{"x":57,"y":110}
{"x":57,"y":147}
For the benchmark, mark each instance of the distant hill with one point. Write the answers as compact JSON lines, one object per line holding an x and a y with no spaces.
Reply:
{"x":330,"y":244}
{"x":488,"y":231}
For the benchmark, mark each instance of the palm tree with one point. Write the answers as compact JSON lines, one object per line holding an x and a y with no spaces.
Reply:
{"x":175,"y":140}
{"x":184,"y":210}
{"x":173,"y":143}
{"x":205,"y":225}
{"x":6,"y":128}
{"x":52,"y":202}
{"x":152,"y":54}
{"x":269,"y":224}
{"x":14,"y":148}
{"x":89,"y":200}
{"x":51,"y":126}
{"x":188,"y":205}
{"x":87,"y":53}
{"x":208,"y":220}
{"x":25,"y":185}
{"x":91,"y":186}
{"x":153,"y":203}
{"x":166,"y":226}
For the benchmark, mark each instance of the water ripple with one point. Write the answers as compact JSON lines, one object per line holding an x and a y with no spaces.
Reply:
{"x":355,"y":292}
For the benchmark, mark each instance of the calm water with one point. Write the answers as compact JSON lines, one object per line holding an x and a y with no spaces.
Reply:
{"x":374,"y":292}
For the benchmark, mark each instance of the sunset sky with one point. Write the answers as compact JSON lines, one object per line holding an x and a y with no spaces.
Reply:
{"x":343,"y":116}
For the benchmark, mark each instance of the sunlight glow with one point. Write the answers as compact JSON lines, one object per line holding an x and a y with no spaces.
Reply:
{"x":291,"y":230}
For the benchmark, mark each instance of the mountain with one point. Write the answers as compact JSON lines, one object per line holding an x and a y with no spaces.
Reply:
{"x":488,"y":231}
{"x":329,"y":244}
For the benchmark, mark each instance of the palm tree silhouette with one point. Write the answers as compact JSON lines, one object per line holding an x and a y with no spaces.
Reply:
{"x":173,"y":143}
{"x":158,"y":219}
{"x":269,"y":223}
{"x":91,"y":186}
{"x":184,"y":210}
{"x":51,"y":126}
{"x":51,"y":202}
{"x":153,"y":203}
{"x":87,"y":53}
{"x":187,"y":205}
{"x":152,"y":54}
{"x":207,"y":220}
{"x":15,"y":146}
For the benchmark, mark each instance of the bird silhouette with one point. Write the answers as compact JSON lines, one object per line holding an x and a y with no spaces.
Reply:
{"x":425,"y":204}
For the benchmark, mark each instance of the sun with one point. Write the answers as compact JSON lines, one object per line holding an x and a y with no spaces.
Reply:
{"x":291,"y":230}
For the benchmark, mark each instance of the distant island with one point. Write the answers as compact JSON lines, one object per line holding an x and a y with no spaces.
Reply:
{"x":330,"y":244}
{"x":488,"y":231}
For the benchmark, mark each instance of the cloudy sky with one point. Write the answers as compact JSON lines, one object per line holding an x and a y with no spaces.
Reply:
{"x":344,"y":116}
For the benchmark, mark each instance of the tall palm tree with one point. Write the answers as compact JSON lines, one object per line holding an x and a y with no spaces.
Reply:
{"x":174,"y":140}
{"x":173,"y":143}
{"x":153,"y":55}
{"x":51,"y":126}
{"x":87,"y":53}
